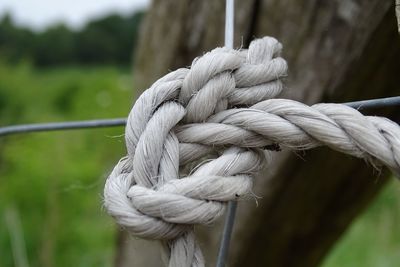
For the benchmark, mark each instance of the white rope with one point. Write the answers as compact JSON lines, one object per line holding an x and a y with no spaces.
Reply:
{"x":197,"y":136}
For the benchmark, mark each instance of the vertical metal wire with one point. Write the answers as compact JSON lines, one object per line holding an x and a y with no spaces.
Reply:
{"x":230,"y":216}
{"x":226,"y":234}
{"x":229,"y":23}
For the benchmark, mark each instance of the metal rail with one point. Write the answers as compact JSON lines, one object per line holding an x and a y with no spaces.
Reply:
{"x":375,"y":103}
{"x":57,"y":126}
{"x":102,"y":123}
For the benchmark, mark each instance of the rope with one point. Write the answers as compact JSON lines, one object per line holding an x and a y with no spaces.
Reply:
{"x":196,"y":138}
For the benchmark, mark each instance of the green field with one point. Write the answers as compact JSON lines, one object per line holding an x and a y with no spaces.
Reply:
{"x":51,"y":183}
{"x":373,"y":240}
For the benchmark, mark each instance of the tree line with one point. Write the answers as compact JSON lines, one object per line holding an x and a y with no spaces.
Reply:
{"x":107,"y":40}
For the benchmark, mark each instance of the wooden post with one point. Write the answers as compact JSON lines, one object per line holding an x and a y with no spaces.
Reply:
{"x":337,"y":51}
{"x":398,"y":14}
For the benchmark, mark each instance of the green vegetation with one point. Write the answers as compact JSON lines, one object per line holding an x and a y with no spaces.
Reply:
{"x":373,"y":240}
{"x":107,"y":40}
{"x":51,"y":183}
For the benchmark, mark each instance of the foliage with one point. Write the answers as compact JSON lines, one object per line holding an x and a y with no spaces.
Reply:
{"x":53,"y":181}
{"x":110,"y":39}
{"x":373,"y":240}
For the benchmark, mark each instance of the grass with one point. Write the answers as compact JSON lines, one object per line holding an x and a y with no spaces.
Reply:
{"x":373,"y":240}
{"x":51,"y":183}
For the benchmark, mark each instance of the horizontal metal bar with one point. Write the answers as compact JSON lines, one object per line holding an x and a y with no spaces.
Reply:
{"x":56,"y":126}
{"x":71,"y":125}
{"x":375,"y":103}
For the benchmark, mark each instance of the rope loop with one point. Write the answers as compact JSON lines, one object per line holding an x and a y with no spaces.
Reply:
{"x":196,"y":138}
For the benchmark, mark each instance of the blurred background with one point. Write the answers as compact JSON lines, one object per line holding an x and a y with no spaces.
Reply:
{"x":71,"y":60}
{"x":60,"y":61}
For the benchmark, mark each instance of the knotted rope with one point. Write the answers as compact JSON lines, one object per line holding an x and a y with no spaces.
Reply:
{"x":196,"y":138}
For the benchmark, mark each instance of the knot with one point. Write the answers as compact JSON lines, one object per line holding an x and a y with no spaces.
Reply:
{"x":197,"y":136}
{"x":226,"y":78}
{"x":165,"y":185}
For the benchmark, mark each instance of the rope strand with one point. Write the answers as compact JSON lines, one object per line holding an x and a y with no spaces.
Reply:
{"x":214,"y":122}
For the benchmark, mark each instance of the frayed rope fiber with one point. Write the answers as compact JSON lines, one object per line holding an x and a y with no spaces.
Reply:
{"x":196,"y":138}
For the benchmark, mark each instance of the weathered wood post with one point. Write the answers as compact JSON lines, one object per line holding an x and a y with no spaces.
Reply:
{"x":337,"y":51}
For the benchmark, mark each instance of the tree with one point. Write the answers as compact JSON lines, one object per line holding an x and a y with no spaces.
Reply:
{"x":104,"y":40}
{"x":55,"y":46}
{"x":107,"y":39}
{"x":15,"y":42}
{"x":337,"y":51}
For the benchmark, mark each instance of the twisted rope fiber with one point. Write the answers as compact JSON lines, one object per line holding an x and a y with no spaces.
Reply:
{"x":196,"y":138}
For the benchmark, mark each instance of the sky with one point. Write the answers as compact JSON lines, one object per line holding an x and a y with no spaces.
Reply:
{"x":39,"y":14}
